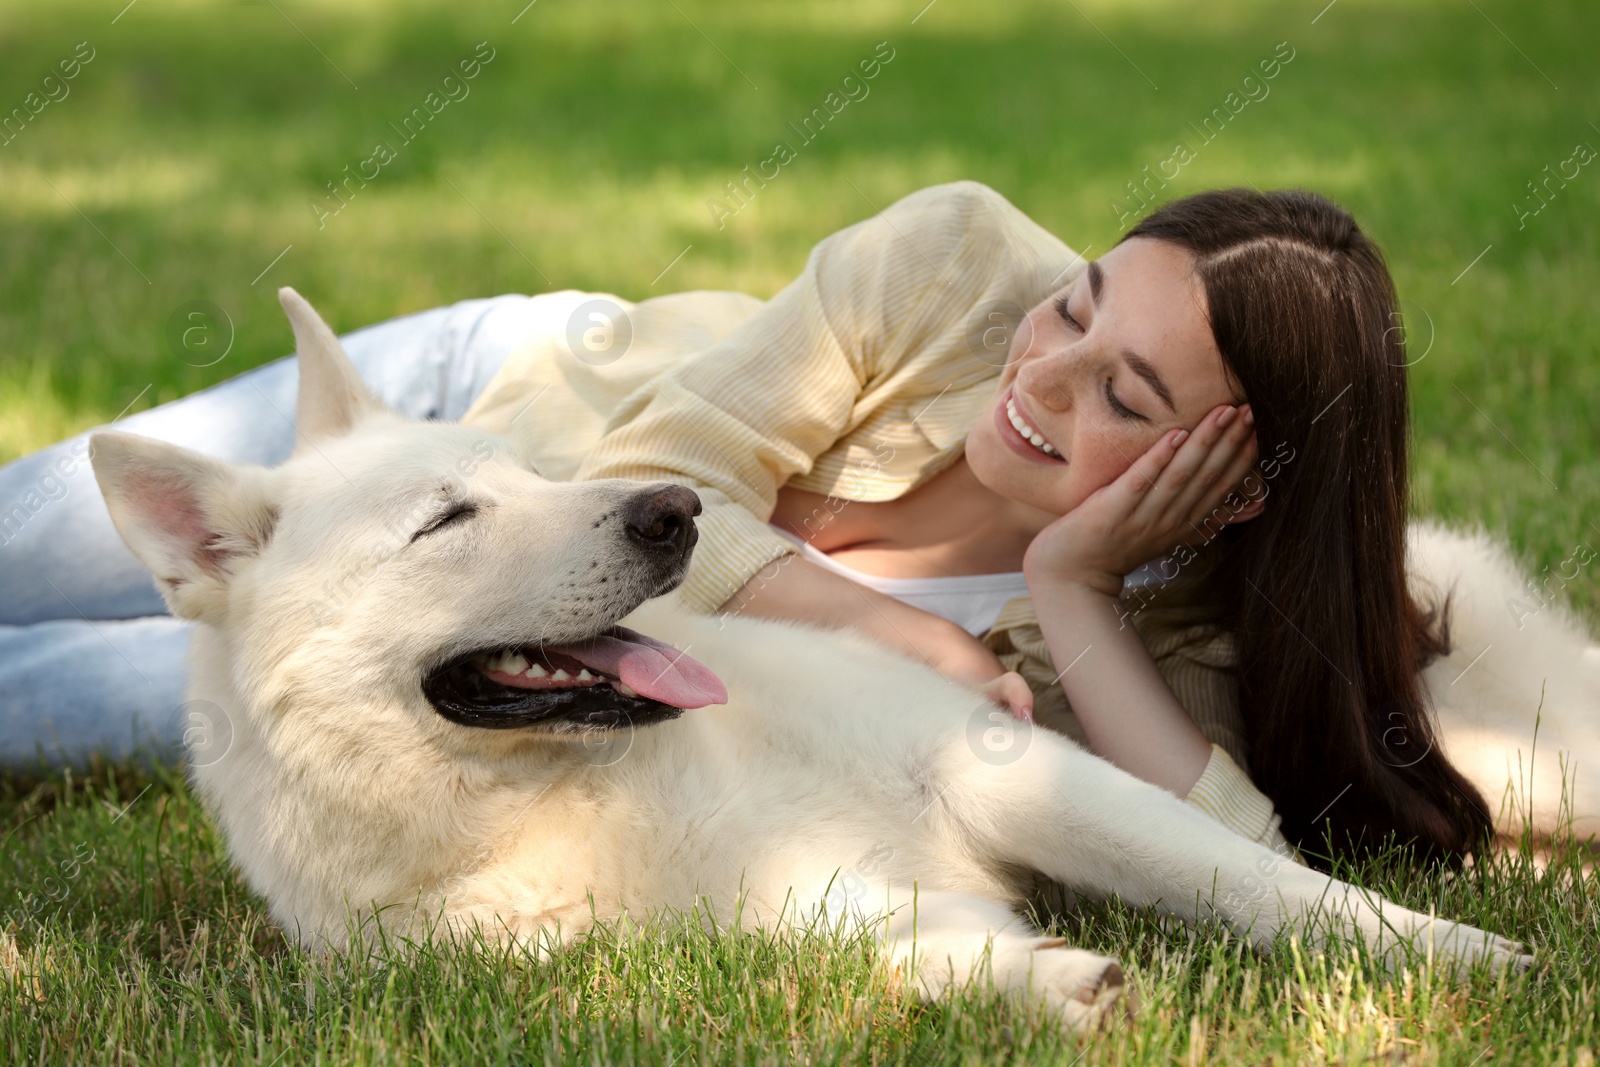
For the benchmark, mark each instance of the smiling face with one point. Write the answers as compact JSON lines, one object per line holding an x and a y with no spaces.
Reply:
{"x":1097,"y":372}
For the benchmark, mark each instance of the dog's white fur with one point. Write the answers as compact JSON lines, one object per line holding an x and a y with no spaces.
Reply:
{"x":1518,"y":698}
{"x":839,"y":781}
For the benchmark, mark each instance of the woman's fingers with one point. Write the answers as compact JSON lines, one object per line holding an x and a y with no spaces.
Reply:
{"x":1010,"y":690}
{"x":1215,"y":508}
{"x":1018,"y":698}
{"x":1198,"y":462}
{"x":1143,"y":478}
{"x":1113,"y":504}
{"x":1231,"y":456}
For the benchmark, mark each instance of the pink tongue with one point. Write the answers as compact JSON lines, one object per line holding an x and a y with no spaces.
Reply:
{"x":650,"y":668}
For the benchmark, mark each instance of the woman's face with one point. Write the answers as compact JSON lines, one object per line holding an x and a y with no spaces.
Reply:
{"x":1097,"y":373}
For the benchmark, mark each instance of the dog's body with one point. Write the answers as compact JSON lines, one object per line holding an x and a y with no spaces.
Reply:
{"x":384,"y":757}
{"x":1517,"y":700}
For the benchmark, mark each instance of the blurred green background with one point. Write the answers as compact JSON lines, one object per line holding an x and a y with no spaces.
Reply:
{"x":186,"y":155}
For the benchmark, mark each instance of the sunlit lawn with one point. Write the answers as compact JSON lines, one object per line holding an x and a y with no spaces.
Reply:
{"x":126,"y":938}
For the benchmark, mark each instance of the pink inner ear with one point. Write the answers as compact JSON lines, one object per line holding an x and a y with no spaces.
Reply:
{"x":169,"y":504}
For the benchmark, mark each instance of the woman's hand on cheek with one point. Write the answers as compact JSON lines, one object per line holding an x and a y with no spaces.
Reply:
{"x":1155,"y":505}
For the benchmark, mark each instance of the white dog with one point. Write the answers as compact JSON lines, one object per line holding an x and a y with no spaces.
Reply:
{"x":1518,"y":698}
{"x":434,"y":714}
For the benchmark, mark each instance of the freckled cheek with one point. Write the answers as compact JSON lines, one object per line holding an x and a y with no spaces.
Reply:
{"x":1103,"y":454}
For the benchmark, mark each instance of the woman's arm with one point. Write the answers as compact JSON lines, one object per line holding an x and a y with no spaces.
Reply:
{"x":1075,"y":569}
{"x":793,"y":588}
{"x":1127,"y":712}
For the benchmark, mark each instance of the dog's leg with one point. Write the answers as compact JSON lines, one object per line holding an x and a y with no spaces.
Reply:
{"x":943,"y":941}
{"x":1093,"y":826}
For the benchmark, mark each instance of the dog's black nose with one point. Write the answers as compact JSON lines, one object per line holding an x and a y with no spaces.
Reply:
{"x":663,"y":518}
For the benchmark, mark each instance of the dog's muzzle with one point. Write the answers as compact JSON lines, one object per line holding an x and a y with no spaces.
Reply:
{"x":614,"y":679}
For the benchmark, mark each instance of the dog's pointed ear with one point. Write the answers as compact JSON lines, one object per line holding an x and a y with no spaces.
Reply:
{"x":332,"y":398}
{"x":188,"y":518}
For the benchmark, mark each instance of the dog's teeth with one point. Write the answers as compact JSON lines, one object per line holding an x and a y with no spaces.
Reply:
{"x":535,"y":671}
{"x":516,"y":664}
{"x":625,"y":689}
{"x":560,"y":676}
{"x":585,"y":676}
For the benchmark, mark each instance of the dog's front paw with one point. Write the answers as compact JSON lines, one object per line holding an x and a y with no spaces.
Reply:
{"x":1457,"y":948}
{"x":1088,"y":991}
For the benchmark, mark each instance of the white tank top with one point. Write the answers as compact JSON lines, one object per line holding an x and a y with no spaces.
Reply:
{"x":971,"y":601}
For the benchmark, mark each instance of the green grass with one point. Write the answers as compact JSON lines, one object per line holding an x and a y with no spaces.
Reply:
{"x":127,"y":938}
{"x":185,"y":159}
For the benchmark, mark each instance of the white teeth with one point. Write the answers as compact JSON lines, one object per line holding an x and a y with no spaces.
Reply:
{"x":1028,"y":432}
{"x":508,"y":661}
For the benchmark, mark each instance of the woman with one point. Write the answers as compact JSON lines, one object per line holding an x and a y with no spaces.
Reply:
{"x":1276,"y":299}
{"x":869,"y":413}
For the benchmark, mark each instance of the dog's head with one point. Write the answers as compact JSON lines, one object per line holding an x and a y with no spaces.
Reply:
{"x":421,"y":574}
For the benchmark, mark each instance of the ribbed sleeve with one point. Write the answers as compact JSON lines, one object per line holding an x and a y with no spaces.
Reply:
{"x":1226,"y":793}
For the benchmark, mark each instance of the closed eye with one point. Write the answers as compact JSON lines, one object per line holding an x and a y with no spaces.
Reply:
{"x":1066,"y":316}
{"x":452,"y":515}
{"x":1121,"y":410}
{"x":1118,"y":408}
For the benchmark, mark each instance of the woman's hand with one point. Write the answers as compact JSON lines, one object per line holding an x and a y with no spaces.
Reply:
{"x":798,"y":589}
{"x":1010,"y":690}
{"x":963,"y":658}
{"x":1158,"y":503}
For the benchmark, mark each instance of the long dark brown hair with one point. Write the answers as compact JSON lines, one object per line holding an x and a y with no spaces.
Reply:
{"x":1330,"y":638}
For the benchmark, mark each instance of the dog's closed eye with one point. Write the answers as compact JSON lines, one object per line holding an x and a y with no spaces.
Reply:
{"x":454,"y":513}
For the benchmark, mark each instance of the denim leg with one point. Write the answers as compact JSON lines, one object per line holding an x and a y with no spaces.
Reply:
{"x":67,"y":671}
{"x":60,"y":557}
{"x":71,"y":686}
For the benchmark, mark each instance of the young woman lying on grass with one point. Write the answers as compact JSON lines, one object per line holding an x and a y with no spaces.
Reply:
{"x":1156,"y":501}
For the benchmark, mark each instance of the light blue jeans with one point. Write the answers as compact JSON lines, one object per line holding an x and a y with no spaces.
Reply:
{"x":89,"y":658}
